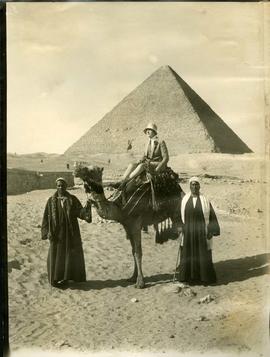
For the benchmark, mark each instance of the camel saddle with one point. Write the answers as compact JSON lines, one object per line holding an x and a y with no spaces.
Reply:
{"x":159,"y":188}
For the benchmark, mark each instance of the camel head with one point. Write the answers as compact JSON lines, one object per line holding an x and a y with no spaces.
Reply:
{"x":91,"y":176}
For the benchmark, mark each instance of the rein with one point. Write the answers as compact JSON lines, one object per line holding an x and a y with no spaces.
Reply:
{"x":98,"y":188}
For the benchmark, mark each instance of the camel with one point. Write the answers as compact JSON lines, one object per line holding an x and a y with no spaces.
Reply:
{"x":141,"y":214}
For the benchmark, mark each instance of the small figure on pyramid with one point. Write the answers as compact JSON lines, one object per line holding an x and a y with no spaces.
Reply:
{"x":129,"y":145}
{"x":154,"y":160}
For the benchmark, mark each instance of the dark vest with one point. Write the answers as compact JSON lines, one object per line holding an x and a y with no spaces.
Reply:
{"x":155,"y":154}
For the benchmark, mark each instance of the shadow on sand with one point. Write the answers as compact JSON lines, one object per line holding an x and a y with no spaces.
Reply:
{"x":228,"y":271}
{"x":107,"y":284}
{"x":99,"y":284}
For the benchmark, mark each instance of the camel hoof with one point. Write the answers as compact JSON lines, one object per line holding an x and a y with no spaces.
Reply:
{"x":140,"y":285}
{"x":132,"y":279}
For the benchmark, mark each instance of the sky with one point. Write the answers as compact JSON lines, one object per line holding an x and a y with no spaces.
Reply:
{"x":70,"y":63}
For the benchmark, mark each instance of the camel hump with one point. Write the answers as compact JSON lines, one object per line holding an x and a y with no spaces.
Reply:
{"x":163,"y":189}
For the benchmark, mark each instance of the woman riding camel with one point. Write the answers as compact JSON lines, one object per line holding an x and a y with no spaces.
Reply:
{"x":154,"y":160}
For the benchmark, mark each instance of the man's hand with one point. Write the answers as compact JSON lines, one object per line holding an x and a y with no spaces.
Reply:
{"x":209,"y":235}
{"x":46,"y":236}
{"x":180,"y":229}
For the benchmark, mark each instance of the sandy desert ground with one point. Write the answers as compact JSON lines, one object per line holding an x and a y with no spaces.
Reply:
{"x":100,"y":315}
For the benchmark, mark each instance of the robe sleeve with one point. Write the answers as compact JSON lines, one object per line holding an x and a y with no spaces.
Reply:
{"x":213,"y":226}
{"x":84,"y":213}
{"x":45,"y":223}
{"x":165,"y":156}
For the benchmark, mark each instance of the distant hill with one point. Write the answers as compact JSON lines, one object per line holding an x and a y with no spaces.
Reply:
{"x":184,"y":120}
{"x":36,"y":155}
{"x":40,"y":161}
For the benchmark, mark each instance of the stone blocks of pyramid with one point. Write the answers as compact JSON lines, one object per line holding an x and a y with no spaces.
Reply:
{"x":184,"y":121}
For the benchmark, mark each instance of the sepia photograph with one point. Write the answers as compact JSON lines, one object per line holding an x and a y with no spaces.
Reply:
{"x":138,"y":178}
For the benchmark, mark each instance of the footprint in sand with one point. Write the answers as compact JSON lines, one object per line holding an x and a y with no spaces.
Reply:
{"x":25,"y":241}
{"x":14,"y":264}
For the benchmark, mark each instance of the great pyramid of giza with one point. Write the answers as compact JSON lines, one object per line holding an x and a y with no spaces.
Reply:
{"x":184,"y":121}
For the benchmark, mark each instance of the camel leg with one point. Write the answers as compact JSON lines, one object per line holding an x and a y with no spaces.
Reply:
{"x":136,"y":235}
{"x":133,"y":278}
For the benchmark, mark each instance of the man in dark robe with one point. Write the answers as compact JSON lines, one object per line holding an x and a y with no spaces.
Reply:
{"x":199,"y":226}
{"x":60,"y":225}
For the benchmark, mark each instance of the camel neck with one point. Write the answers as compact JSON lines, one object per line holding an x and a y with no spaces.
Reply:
{"x":97,"y":188}
{"x":99,"y":197}
{"x":106,"y":209}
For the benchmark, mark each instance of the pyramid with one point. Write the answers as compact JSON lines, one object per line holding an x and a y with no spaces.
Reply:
{"x":184,"y":121}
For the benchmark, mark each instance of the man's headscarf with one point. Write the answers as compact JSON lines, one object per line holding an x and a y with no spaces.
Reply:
{"x":194,"y":179}
{"x":60,"y":179}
